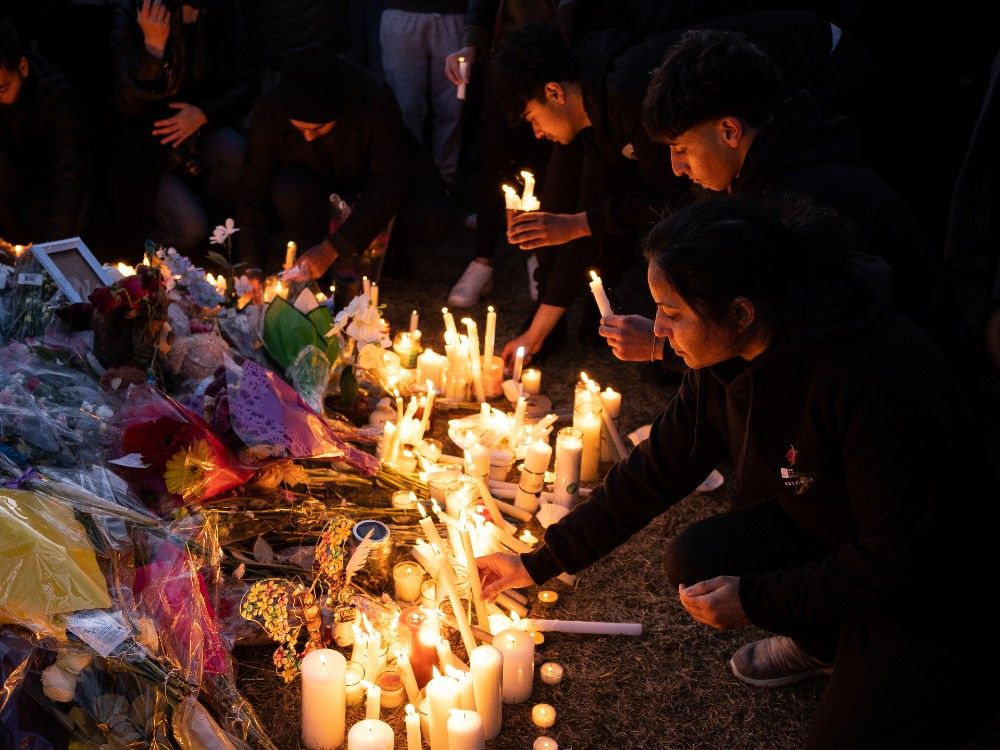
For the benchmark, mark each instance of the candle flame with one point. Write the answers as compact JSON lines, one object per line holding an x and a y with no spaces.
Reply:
{"x":123,"y":268}
{"x":435,"y":672}
{"x":583,"y":377}
{"x":435,"y":506}
{"x":410,"y":710}
{"x":489,"y":309}
{"x":520,"y":351}
{"x":594,"y":276}
{"x":526,"y":174}
{"x":514,"y":617}
{"x":508,"y":189}
{"x":423,"y":514}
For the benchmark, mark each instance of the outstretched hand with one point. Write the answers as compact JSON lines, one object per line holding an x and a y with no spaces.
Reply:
{"x":715,"y":602}
{"x":154,"y":21}
{"x":501,"y":571}
{"x":533,"y":229}
{"x":312,"y":263}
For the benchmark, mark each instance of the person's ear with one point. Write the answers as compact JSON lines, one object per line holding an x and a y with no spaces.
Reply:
{"x":555,"y":93}
{"x":732,"y":131}
{"x":23,"y":67}
{"x":742,"y":315}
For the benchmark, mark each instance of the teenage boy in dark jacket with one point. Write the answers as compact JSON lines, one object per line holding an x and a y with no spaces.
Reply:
{"x":43,"y":174}
{"x":330,"y":127}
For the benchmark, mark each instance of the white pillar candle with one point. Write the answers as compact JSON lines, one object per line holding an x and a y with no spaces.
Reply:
{"x":413,"y":738}
{"x":465,"y":731}
{"x":370,"y":734}
{"x":600,"y":296}
{"x":450,"y":331}
{"x":569,"y":452}
{"x":486,"y":664}
{"x":359,"y":651}
{"x":489,"y":340}
{"x":551,"y":673}
{"x":373,"y":660}
{"x":354,"y":678}
{"x":290,"y":251}
{"x":543,"y":715}
{"x":531,"y":381}
{"x":611,"y":402}
{"x":587,"y":419}
{"x":536,"y":462}
{"x":425,"y":418}
{"x":442,"y":693}
{"x":448,"y":663}
{"x":518,"y":364}
{"x":472,"y":331}
{"x":515,"y":430}
{"x":373,"y":700}
{"x":324,"y":699}
{"x":407,"y":577}
{"x":529,"y":187}
{"x":431,"y":366}
{"x":466,"y":689}
{"x":414,"y":320}
{"x":518,"y":650}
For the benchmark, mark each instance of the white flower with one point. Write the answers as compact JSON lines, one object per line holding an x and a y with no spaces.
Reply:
{"x":223,"y":232}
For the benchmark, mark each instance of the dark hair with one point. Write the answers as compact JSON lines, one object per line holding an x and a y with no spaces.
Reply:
{"x":11,"y":51}
{"x":722,"y":248}
{"x":528,"y":58}
{"x":706,"y":75}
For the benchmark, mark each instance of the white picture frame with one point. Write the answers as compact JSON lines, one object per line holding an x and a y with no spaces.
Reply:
{"x":73,"y":268}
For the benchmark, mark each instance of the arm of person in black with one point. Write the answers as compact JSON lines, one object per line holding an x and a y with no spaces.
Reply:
{"x":64,"y":170}
{"x":480,"y":24}
{"x":264,"y":139}
{"x":915,"y":471}
{"x":680,"y":452}
{"x":139,"y":79}
{"x":227,"y":39}
{"x":388,"y":154}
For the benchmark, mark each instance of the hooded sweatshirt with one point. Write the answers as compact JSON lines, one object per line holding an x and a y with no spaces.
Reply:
{"x":854,"y":423}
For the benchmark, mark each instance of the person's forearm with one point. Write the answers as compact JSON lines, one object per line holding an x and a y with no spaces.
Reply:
{"x":544,"y":321}
{"x":581,"y":227}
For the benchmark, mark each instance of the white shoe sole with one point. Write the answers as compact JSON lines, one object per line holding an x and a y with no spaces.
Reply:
{"x":774,"y":682}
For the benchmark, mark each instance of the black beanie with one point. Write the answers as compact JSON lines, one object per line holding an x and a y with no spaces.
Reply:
{"x":311,"y":85}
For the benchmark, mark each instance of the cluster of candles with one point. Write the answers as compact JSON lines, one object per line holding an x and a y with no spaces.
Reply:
{"x":526,"y":201}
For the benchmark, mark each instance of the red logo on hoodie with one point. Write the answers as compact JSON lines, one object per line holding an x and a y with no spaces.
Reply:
{"x":796,"y":480}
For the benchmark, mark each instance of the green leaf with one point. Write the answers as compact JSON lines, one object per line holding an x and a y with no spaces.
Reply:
{"x":333,"y":349}
{"x":218,"y":259}
{"x":286,"y":332}
{"x":348,"y":387}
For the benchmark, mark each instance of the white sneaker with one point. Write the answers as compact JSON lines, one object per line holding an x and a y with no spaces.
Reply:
{"x":712,"y":482}
{"x":476,"y":280}
{"x":532,"y":284}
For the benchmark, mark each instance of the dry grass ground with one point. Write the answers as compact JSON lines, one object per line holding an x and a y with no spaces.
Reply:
{"x":671,"y":687}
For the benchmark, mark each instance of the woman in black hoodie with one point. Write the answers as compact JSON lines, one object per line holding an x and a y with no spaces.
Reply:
{"x":867,"y":507}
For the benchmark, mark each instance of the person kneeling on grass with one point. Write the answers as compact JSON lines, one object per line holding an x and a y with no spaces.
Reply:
{"x":866,"y":512}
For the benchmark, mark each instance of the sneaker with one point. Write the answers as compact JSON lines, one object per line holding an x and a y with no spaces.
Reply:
{"x":774,"y":662}
{"x":712,"y":482}
{"x":532,"y":282}
{"x":476,"y":280}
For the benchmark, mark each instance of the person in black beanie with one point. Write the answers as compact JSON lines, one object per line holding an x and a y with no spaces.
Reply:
{"x":330,"y":127}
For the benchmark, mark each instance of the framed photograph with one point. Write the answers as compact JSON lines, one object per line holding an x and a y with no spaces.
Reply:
{"x":73,"y":268}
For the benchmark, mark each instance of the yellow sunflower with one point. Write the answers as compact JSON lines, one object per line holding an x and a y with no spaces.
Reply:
{"x":188,"y":469}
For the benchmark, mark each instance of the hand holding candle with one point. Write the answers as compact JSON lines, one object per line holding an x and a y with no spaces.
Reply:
{"x":463,"y":73}
{"x":600,"y":296}
{"x":500,"y":571}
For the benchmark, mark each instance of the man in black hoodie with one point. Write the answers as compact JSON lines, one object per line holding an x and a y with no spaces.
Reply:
{"x":43,"y":174}
{"x":717,"y":102}
{"x":866,"y":497}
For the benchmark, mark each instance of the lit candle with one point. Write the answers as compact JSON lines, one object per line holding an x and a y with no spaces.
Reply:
{"x":463,"y":74}
{"x":551,"y":673}
{"x":529,"y":187}
{"x":518,"y":364}
{"x":466,"y":689}
{"x":373,"y":293}
{"x":611,"y":402}
{"x":529,"y":489}
{"x":447,"y":661}
{"x":515,"y":431}
{"x":531,"y":381}
{"x":290,"y":251}
{"x":431,"y":366}
{"x":600,"y":296}
{"x":423,"y":629}
{"x":518,"y":652}
{"x":442,"y":692}
{"x":390,"y":682}
{"x":414,"y":321}
{"x":528,"y":538}
{"x":123,"y":268}
{"x":543,"y":715}
{"x":370,"y":734}
{"x":428,"y":594}
{"x":404,"y":499}
{"x":450,"y":331}
{"x":366,"y":285}
{"x":472,"y":331}
{"x":373,"y":657}
{"x":354,"y":679}
{"x":569,"y":453}
{"x":406,"y":348}
{"x":373,"y":701}
{"x":544,"y":743}
{"x":406,"y":671}
{"x":324,"y":699}
{"x":465,"y":731}
{"x":547,"y":598}
{"x":490,"y":337}
{"x":512,"y":201}
{"x":407,"y":577}
{"x":486,"y":664}
{"x":587,"y":419}
{"x":413,"y":738}
{"x":477,"y":461}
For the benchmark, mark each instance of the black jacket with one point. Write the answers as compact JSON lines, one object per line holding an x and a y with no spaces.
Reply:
{"x":43,"y":134}
{"x":369,"y":154}
{"x":205,"y":64}
{"x":800,"y":153}
{"x":276,"y":26}
{"x":853,"y":421}
{"x":487,"y":20}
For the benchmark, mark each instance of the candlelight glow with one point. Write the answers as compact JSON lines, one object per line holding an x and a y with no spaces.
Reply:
{"x":123,"y":268}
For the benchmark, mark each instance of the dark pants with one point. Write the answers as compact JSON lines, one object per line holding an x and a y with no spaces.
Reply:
{"x":22,"y":208}
{"x":578,"y":177}
{"x":897,"y":681}
{"x":301,"y":199}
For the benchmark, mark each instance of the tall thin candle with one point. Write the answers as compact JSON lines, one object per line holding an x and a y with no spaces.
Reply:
{"x":490,"y":337}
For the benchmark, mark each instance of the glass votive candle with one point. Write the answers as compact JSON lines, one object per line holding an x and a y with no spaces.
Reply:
{"x":430,"y":449}
{"x":543,"y":715}
{"x":551,"y":673}
{"x":439,"y":477}
{"x":428,"y":594}
{"x":407,"y":346}
{"x":404,"y":500}
{"x":501,"y":461}
{"x":537,"y":636}
{"x":531,"y":382}
{"x":407,"y":461}
{"x":544,"y":743}
{"x":391,"y":682}
{"x":353,"y":678}
{"x":547,"y":598}
{"x":407,"y":577}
